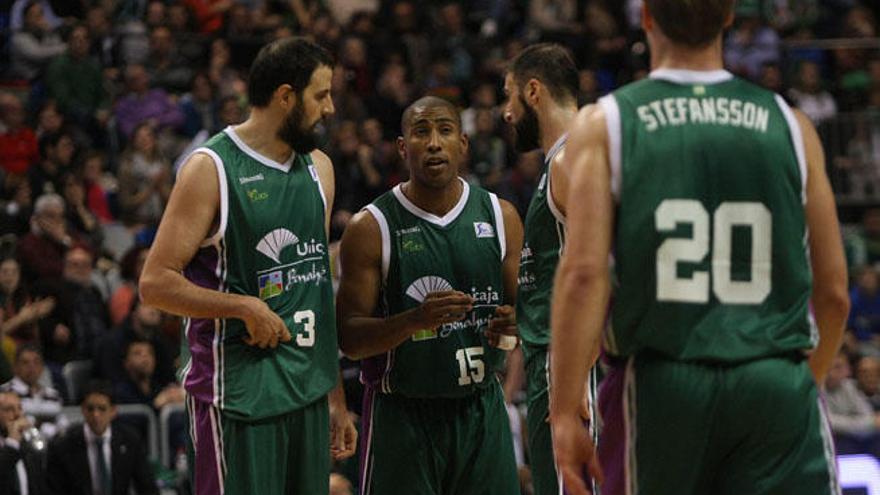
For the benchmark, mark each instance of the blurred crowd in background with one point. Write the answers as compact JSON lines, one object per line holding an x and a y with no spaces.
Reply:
{"x":100,"y":101}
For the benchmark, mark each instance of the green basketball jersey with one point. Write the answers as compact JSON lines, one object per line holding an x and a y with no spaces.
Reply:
{"x":270,"y":244}
{"x":424,"y":253}
{"x":711,"y":239}
{"x":544,"y":237}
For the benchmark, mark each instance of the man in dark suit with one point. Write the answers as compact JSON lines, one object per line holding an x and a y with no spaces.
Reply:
{"x":20,"y":462}
{"x":98,"y":458}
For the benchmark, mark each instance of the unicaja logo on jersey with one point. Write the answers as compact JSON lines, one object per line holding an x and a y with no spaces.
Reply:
{"x":419,"y":290}
{"x":308,"y":266}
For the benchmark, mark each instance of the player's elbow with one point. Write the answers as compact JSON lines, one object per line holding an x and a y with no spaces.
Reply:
{"x":583,"y":272}
{"x":349,"y":345}
{"x":149,"y":287}
{"x":832,"y":299}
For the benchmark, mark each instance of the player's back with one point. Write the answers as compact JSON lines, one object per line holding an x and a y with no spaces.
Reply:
{"x":711,"y":255}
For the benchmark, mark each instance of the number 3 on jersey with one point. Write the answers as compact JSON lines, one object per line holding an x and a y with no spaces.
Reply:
{"x":695,"y":289}
{"x":306,"y":338}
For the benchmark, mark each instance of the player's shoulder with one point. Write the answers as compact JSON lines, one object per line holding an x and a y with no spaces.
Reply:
{"x":362,"y":227}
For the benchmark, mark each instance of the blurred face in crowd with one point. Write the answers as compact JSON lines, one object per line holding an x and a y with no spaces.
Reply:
{"x":137,"y":79}
{"x":155,"y":13}
{"x":78,"y":43}
{"x":96,"y":20}
{"x":868,"y":375}
{"x":810,"y":78}
{"x":148,"y":319}
{"x":230,"y":112}
{"x":93,"y":168}
{"x":50,"y":120}
{"x":433,"y":145}
{"x":161,"y":42}
{"x":485,"y":122}
{"x":839,"y":371}
{"x":51,"y":218}
{"x":34,"y":20}
{"x":312,"y":105}
{"x":347,"y":139}
{"x":144,"y":140}
{"x":10,"y":275}
{"x":62,"y":153}
{"x":29,"y":367}
{"x":178,"y":17}
{"x":140,"y":361}
{"x":517,"y":112}
{"x":10,"y":409}
{"x":78,"y":266}
{"x":372,"y":131}
{"x":868,"y":280}
{"x":98,"y":412}
{"x":13,"y":111}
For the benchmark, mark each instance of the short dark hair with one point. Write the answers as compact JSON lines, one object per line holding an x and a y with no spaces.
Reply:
{"x":96,"y":387}
{"x":551,"y":64}
{"x":694,"y":23}
{"x":27,"y":348}
{"x":428,"y":101}
{"x":286,"y":61}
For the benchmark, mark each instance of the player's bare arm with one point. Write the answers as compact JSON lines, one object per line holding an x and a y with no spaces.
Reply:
{"x":581,"y":292}
{"x":361,"y":334}
{"x":189,"y":217}
{"x":502,"y":328}
{"x":830,"y":296}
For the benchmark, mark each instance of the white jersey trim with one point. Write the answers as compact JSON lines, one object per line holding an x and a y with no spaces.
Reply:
{"x":317,"y":178}
{"x":615,"y":143}
{"x":499,"y":224}
{"x":551,"y":203}
{"x":797,"y":140}
{"x":256,"y":155}
{"x":386,"y":238}
{"x":443,"y":221}
{"x":684,"y":76}
{"x":224,"y":194}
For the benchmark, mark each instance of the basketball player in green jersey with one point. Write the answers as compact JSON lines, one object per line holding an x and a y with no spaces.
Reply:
{"x":541,"y":87}
{"x":242,"y":253}
{"x":713,"y":193}
{"x":429,"y":275}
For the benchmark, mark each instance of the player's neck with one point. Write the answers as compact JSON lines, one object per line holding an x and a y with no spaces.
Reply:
{"x":261,"y":134}
{"x":554,"y":124}
{"x":436,"y":201}
{"x":673,"y":56}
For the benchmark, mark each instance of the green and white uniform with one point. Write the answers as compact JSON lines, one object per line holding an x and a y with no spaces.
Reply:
{"x":711,"y":310}
{"x":434,"y":415}
{"x":270,"y":244}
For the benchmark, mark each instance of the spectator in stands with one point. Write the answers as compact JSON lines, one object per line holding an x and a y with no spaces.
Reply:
{"x":225,"y":78}
{"x":93,"y":164}
{"x":144,"y":323}
{"x":231,"y":112}
{"x":853,"y":422}
{"x":87,"y":309}
{"x":488,"y":151}
{"x":863,"y":244}
{"x":18,"y":143}
{"x":809,"y":96}
{"x":482,"y":97}
{"x":393,"y":94}
{"x":199,"y":107}
{"x":103,"y":42}
{"x":144,"y":179}
{"x":588,"y":87}
{"x":38,"y":400}
{"x":58,"y":151}
{"x":80,"y":219}
{"x":41,"y":251}
{"x":519,"y":183}
{"x":209,"y":13}
{"x":35,"y":45}
{"x":21,"y":469}
{"x":76,"y":83}
{"x":15,"y":210}
{"x":124,"y":298}
{"x":21,"y":314}
{"x":99,"y":457}
{"x":868,"y":379}
{"x":139,"y":383}
{"x":49,"y":120}
{"x":750,"y":44}
{"x":771,"y":78}
{"x":864,"y":315}
{"x":168,"y":70}
{"x":17,"y":14}
{"x":141,"y":104}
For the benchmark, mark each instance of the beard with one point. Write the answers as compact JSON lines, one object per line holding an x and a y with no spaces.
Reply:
{"x":527,"y":130}
{"x":293,"y":131}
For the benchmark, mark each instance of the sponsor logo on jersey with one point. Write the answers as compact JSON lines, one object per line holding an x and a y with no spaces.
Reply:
{"x":411,"y":230}
{"x":483,"y":298}
{"x":307,"y":266}
{"x":255,"y":195}
{"x":484,"y":229}
{"x":245,"y":180}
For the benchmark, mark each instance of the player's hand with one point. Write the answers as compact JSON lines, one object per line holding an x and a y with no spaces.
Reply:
{"x":443,"y":307}
{"x":264,"y":327}
{"x":502,"y":327}
{"x":343,"y":434}
{"x":575,"y":454}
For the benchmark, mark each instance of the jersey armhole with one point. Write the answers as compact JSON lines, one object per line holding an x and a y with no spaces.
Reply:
{"x":615,"y":153}
{"x":386,"y":238}
{"x":797,"y":141}
{"x":214,"y":238}
{"x":499,"y":224}
{"x":313,"y":171}
{"x":551,"y":203}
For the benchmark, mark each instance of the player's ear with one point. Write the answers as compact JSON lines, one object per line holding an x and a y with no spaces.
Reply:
{"x":401,"y":148}
{"x":285,"y":96}
{"x":465,"y":143}
{"x":531,"y":90}
{"x":647,"y":20}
